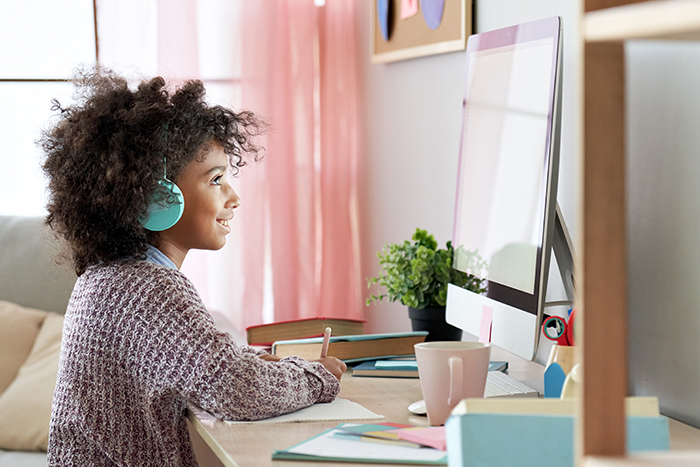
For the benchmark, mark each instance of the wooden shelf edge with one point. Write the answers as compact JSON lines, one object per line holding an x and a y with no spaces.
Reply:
{"x":655,"y":459}
{"x":658,"y":19}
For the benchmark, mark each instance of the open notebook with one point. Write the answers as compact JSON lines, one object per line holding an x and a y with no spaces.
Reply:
{"x":339,"y":409}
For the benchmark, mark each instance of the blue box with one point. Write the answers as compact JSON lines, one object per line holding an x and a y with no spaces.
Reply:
{"x":495,"y":440}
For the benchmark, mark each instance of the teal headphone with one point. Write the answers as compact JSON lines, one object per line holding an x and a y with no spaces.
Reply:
{"x":167,"y":205}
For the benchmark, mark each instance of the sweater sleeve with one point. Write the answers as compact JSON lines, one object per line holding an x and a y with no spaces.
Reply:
{"x":230,"y":381}
{"x":236,"y":386}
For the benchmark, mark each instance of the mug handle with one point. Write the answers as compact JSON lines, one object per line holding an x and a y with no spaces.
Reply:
{"x":455,"y":380}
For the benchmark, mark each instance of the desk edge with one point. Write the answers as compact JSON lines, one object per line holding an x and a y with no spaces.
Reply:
{"x":218,"y":450}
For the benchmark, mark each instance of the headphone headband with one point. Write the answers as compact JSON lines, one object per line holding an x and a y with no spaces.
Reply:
{"x":167,"y":204}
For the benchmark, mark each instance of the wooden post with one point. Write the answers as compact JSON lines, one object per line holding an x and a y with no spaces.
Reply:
{"x":599,"y":4}
{"x":604,"y":297}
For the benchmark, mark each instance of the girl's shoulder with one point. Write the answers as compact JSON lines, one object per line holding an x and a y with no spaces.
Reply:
{"x":139,"y":277}
{"x":133,"y":267}
{"x":136,"y":288}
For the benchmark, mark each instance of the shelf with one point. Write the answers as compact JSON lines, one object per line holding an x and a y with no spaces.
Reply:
{"x":661,"y":19}
{"x":604,"y":282}
{"x":659,"y":459}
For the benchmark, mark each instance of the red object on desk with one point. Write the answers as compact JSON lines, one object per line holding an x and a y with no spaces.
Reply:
{"x":570,"y":327}
{"x":561,"y":334}
{"x":565,"y":329}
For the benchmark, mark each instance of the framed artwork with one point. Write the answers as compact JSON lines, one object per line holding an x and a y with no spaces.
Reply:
{"x":404,"y":29}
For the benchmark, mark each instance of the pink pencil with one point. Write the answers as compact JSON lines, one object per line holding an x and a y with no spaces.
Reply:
{"x":326,"y":341}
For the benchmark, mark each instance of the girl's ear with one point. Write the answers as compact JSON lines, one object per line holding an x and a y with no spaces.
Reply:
{"x":166,"y":208}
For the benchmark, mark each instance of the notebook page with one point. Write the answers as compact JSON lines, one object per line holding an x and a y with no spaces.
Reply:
{"x":339,"y":409}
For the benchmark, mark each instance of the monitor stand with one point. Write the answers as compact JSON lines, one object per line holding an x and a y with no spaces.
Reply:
{"x":564,"y":253}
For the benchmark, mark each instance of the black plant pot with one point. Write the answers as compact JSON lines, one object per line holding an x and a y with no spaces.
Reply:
{"x":432,"y":319}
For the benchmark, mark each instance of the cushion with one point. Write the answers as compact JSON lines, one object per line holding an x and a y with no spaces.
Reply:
{"x":29,"y":274}
{"x":25,"y":407}
{"x":19,"y":329}
{"x":22,"y":459}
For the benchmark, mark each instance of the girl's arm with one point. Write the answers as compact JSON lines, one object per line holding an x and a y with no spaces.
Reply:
{"x":246,"y":387}
{"x":232,"y":381}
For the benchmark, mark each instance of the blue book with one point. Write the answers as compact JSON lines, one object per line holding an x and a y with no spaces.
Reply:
{"x":327,"y":447}
{"x":402,"y":368}
{"x":353,"y":348}
{"x":387,"y":369}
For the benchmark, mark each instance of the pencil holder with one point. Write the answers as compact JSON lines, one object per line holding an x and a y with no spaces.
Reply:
{"x":561,"y":361}
{"x":564,"y":355}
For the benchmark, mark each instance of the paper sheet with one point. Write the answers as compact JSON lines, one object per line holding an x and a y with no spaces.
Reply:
{"x":339,"y":409}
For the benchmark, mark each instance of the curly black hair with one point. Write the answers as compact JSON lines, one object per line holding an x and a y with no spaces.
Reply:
{"x":107,"y":151}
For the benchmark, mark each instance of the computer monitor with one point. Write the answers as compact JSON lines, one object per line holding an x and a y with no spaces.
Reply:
{"x":507,"y":182}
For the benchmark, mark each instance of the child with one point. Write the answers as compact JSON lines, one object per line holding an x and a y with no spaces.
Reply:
{"x":138,"y":343}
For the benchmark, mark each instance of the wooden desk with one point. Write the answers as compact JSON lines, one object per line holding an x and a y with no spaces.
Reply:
{"x":253,"y":444}
{"x":217,"y":443}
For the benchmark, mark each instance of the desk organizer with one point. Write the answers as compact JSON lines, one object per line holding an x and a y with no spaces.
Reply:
{"x":505,"y":440}
{"x":561,"y":361}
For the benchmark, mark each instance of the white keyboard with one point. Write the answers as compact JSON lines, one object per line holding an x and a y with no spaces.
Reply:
{"x":499,"y":384}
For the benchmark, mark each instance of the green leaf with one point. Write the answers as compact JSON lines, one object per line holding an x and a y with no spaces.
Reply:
{"x":417,"y":274}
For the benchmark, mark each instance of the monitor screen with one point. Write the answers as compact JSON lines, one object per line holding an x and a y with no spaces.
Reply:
{"x":506,"y":190}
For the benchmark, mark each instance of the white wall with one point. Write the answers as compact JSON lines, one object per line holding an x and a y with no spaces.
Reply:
{"x":663,"y":111}
{"x":412,"y":123}
{"x":412,"y":118}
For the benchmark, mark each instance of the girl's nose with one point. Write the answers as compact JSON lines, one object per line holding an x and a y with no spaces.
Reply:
{"x":233,"y":200}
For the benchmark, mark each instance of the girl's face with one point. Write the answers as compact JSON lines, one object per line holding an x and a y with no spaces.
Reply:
{"x":209,"y":205}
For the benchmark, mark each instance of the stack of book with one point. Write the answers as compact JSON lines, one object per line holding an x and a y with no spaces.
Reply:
{"x":353,"y":348}
{"x":266,"y":334}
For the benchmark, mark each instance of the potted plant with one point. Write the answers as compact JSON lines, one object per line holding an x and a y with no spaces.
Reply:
{"x":417,"y":274}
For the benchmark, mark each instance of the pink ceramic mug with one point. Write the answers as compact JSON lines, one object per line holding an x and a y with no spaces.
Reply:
{"x":450,"y":372}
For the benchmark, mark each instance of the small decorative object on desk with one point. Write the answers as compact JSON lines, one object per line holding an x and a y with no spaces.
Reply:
{"x":417,"y":274}
{"x":560,"y":363}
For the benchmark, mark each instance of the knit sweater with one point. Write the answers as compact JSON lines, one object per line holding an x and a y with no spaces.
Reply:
{"x":138,"y":344}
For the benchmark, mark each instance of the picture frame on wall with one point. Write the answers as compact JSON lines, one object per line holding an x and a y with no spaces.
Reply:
{"x":403,"y":29}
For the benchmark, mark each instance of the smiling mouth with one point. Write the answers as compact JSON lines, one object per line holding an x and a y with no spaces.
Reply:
{"x":223,"y":222}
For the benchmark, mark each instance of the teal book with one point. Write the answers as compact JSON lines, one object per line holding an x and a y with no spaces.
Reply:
{"x":402,"y":368}
{"x":389,"y":368}
{"x":353,"y":348}
{"x":331,"y":446}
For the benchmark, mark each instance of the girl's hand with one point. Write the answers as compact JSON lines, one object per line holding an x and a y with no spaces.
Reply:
{"x":269,"y":357}
{"x":332,"y":364}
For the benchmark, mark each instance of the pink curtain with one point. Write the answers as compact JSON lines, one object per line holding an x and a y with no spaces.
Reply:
{"x":294,"y":249}
{"x":299,"y":72}
{"x":178,"y":49}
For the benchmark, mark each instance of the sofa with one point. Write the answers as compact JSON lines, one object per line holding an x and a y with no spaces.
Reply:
{"x":34,"y":292}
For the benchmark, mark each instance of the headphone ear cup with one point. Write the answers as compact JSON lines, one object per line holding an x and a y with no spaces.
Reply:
{"x":166,"y":207}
